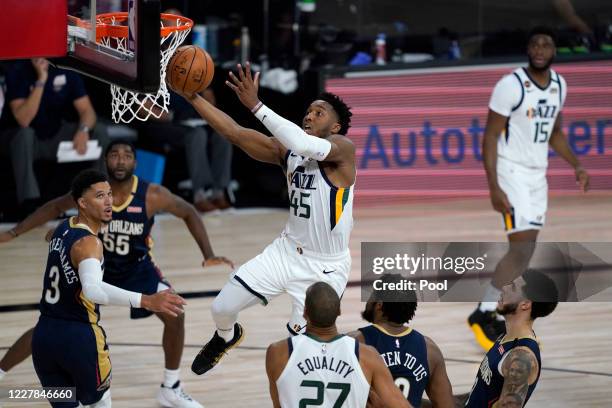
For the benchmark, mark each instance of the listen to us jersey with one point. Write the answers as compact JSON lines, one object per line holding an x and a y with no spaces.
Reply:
{"x":320,"y":214}
{"x":62,"y":296}
{"x":127,"y":240}
{"x":531,"y":111}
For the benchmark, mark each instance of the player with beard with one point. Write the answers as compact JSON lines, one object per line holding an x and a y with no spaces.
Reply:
{"x":127,"y":252}
{"x":68,"y":346}
{"x":511,"y":369}
{"x":524,"y":122}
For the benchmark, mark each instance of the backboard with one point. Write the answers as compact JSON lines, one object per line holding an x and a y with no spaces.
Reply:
{"x":65,"y":32}
{"x":138,"y":67}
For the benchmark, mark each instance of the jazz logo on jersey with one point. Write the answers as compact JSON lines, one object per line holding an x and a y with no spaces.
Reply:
{"x":542,"y":110}
{"x":299,"y":179}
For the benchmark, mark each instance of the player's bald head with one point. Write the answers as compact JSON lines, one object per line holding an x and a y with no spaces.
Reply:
{"x":322,"y":305}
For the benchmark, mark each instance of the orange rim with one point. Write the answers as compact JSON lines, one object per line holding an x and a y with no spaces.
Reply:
{"x":114,"y":25}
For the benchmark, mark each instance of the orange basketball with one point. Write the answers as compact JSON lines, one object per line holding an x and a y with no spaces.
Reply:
{"x":190,"y":70}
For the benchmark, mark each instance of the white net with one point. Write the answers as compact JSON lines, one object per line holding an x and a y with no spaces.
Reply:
{"x":129,"y":105}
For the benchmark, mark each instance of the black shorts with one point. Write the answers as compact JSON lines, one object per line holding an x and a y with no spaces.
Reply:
{"x":68,"y":353}
{"x":143,"y":278}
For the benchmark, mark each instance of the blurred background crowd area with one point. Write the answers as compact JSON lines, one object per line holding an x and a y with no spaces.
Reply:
{"x":297,"y":45}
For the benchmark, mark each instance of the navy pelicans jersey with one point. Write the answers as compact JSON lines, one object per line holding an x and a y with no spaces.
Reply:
{"x":62,"y":296}
{"x":489,"y":380}
{"x":323,"y":374}
{"x":531,"y":111}
{"x":405,"y":355}
{"x":127,"y":240}
{"x":320,"y":214}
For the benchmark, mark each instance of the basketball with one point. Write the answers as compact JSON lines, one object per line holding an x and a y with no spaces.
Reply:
{"x":190,"y":70}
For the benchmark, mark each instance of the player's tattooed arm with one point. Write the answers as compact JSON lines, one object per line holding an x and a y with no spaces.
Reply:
{"x":520,"y":369}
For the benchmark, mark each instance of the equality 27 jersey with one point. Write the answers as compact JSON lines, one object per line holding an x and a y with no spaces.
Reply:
{"x":531,"y":111}
{"x":320,"y":214}
{"x":405,"y":355}
{"x":323,"y":374}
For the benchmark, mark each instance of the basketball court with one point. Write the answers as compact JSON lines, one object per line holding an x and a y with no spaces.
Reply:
{"x":575,"y":339}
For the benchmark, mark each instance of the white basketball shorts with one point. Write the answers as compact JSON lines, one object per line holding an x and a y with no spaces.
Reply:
{"x":284,"y":266}
{"x":527,"y":191}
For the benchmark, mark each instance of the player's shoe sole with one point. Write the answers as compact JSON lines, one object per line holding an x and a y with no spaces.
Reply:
{"x":486,"y":328}
{"x":213,"y":351}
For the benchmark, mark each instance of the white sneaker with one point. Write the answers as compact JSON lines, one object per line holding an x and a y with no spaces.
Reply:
{"x":175,"y":397}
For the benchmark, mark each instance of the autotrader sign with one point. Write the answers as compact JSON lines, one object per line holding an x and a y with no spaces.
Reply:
{"x":424,"y":127}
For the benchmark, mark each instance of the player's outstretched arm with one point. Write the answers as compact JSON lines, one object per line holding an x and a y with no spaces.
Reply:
{"x":255,"y":144}
{"x":277,"y":356}
{"x":386,"y":392}
{"x":439,"y":389}
{"x":520,"y":369}
{"x":49,"y":211}
{"x":87,"y":254}
{"x":336,"y":148}
{"x":495,"y":125}
{"x":159,"y":198}
{"x":558,"y":142}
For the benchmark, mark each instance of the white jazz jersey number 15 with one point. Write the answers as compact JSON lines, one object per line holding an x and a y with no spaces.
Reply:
{"x":320,"y":214}
{"x":532,"y":111}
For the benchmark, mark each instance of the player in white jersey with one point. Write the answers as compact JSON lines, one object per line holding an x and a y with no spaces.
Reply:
{"x":327,"y":369}
{"x":524,"y":122}
{"x":319,"y":162}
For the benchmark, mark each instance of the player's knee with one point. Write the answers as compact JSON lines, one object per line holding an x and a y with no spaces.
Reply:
{"x":176,"y":322}
{"x":221,"y":308}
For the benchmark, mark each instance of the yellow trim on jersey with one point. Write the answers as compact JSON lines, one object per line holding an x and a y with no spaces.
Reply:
{"x":508,"y":221}
{"x":339,"y":206}
{"x":402,"y":334}
{"x":104,"y":363}
{"x":79,"y":225}
{"x":127,"y":202}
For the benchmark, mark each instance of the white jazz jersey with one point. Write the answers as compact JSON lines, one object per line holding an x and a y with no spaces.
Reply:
{"x":320,"y":214}
{"x":323,"y":374}
{"x":531,"y":112}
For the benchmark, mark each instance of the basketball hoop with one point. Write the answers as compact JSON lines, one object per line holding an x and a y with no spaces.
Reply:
{"x":112,"y":31}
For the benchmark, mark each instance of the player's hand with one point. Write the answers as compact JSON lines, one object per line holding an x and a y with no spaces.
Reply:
{"x":582,"y":179}
{"x":163,"y":302}
{"x":6,"y":237}
{"x":79,"y":142}
{"x":217,"y":260}
{"x":499,"y":200}
{"x":245,"y":86}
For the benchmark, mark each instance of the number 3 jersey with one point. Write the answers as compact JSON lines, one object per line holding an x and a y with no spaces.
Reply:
{"x":127,"y":240}
{"x":531,"y":111}
{"x":62,"y":296}
{"x":323,"y":374}
{"x":320,"y":214}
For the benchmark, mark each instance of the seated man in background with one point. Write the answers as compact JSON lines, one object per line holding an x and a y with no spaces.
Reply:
{"x":209,"y":156}
{"x":44,"y":106}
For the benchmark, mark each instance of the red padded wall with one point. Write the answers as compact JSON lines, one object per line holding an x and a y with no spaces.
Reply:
{"x":33,"y":28}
